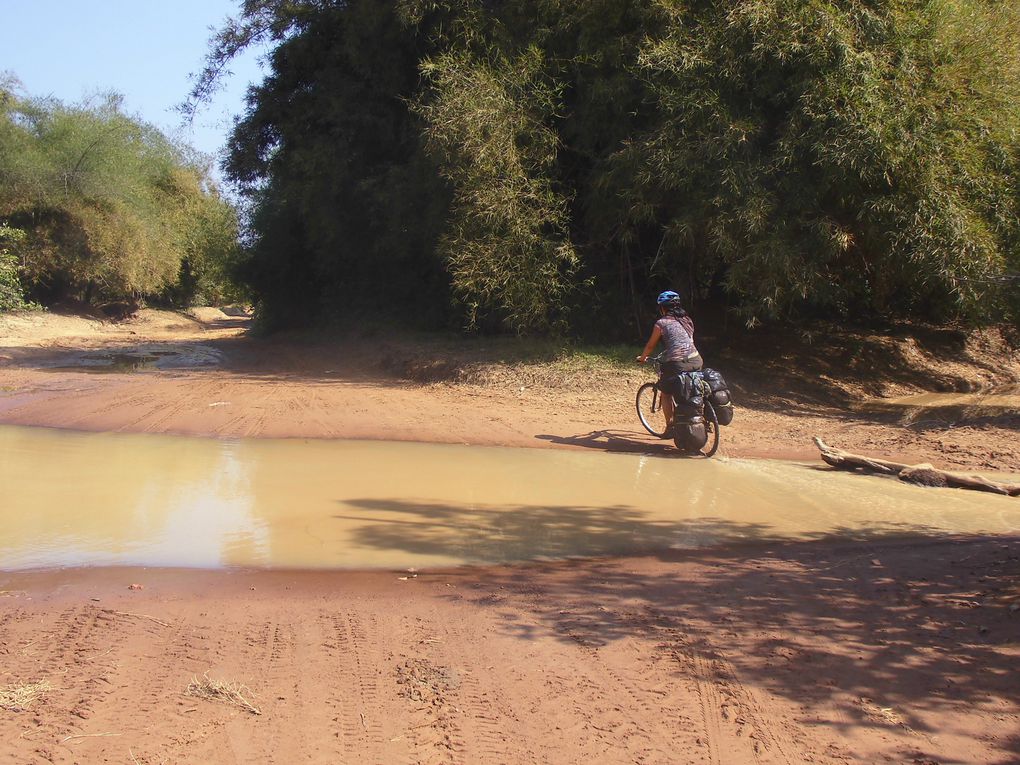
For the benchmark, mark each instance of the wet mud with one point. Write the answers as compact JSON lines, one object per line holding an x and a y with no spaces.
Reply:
{"x":1003,"y":401}
{"x":137,"y":359}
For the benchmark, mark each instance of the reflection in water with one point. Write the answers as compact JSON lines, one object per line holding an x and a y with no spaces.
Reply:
{"x":139,"y":358}
{"x":77,"y":498}
{"x":993,"y":402}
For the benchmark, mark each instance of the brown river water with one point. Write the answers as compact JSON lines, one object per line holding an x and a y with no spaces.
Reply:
{"x":994,"y":402}
{"x":73,"y":499}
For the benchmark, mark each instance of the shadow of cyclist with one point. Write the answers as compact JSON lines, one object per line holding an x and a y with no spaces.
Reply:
{"x":612,"y":441}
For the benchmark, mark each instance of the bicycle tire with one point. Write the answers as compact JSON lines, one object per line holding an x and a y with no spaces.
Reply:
{"x":712,"y":424}
{"x":649,"y":410}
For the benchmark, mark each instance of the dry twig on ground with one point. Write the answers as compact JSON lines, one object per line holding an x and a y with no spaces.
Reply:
{"x":229,"y":693}
{"x":18,"y":698}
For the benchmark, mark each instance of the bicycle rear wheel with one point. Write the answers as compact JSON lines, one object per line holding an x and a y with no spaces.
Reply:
{"x":649,"y":410}
{"x":712,"y":426}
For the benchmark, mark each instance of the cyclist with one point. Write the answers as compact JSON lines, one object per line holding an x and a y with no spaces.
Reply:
{"x":676,"y":329}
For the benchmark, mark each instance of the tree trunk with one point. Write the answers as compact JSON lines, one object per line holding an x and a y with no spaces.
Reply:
{"x":923,"y":474}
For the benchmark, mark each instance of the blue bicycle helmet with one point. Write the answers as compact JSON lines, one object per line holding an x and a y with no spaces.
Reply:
{"x":667,"y":297}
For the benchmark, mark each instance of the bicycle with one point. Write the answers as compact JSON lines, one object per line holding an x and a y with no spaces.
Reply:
{"x":649,"y":410}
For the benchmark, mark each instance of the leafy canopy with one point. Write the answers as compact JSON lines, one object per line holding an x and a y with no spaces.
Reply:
{"x":532,"y":164}
{"x":110,"y":207}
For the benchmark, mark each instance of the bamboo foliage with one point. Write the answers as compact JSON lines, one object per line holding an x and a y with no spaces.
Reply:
{"x":506,"y":244}
{"x":110,"y":207}
{"x":536,"y":158}
{"x":839,"y":154}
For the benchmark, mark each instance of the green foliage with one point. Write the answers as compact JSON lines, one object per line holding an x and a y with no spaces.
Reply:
{"x":542,"y":161}
{"x":848,"y":156}
{"x":506,"y":242}
{"x":111,"y":208}
{"x":12,"y":296}
{"x":345,"y":204}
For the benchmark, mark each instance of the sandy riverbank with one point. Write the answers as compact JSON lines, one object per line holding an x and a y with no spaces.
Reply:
{"x":215,"y":380}
{"x":825,"y":652}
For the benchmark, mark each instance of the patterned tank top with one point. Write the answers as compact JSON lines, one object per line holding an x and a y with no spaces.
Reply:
{"x":677,"y":338}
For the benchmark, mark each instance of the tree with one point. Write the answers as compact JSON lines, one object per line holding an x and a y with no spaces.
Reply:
{"x":110,"y":207}
{"x":857,"y":157}
{"x":12,"y":295}
{"x":345,"y":204}
{"x":547,"y":163}
{"x":506,"y":243}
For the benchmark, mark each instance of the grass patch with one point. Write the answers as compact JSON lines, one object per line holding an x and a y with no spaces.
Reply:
{"x":18,"y":698}
{"x":237,"y":694}
{"x":503,"y":361}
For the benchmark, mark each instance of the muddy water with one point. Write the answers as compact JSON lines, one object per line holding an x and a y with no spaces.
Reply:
{"x":90,"y":499}
{"x":987,"y":403}
{"x":139,"y":358}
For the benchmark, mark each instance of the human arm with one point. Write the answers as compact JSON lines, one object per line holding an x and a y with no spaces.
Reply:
{"x":650,"y":346}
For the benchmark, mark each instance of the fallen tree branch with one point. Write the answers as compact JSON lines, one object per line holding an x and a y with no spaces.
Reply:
{"x":923,"y":474}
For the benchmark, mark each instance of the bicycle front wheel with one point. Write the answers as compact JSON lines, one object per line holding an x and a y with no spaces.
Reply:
{"x":649,"y":410}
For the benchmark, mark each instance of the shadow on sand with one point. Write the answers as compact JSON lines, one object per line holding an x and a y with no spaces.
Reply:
{"x":899,"y":617}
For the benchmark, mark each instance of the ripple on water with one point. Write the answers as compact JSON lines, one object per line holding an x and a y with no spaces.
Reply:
{"x":101,"y":499}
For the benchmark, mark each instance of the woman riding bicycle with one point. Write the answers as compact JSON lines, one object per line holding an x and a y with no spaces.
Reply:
{"x":676,"y":329}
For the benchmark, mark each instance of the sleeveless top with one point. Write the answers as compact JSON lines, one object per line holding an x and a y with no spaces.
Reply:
{"x":678,"y":340}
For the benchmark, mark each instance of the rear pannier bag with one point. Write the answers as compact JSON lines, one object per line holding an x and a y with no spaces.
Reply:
{"x":724,"y":412}
{"x":689,"y":409}
{"x":677,"y":386}
{"x":687,"y":393}
{"x":720,"y":396}
{"x":692,"y":436}
{"x":714,"y":379}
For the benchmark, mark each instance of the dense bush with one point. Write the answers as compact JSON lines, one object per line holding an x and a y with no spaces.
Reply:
{"x":12,"y":295}
{"x":506,"y":242}
{"x":345,"y":206}
{"x":111,"y":209}
{"x":535,"y":162}
{"x":841,"y":155}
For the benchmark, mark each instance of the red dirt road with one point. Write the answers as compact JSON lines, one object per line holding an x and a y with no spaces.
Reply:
{"x":825,"y":652}
{"x":803,"y":653}
{"x":316,"y":388}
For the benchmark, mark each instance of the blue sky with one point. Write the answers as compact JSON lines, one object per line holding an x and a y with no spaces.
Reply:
{"x":143,"y":49}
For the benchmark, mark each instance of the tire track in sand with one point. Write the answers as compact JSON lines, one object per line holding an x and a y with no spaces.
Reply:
{"x":100,"y":652}
{"x":362,"y":737}
{"x":86,"y":635}
{"x":736,"y":724}
{"x":644,"y":729}
{"x":458,"y":713}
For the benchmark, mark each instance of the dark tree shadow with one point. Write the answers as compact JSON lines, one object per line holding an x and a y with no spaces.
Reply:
{"x":484,"y":534}
{"x":897,"y":616}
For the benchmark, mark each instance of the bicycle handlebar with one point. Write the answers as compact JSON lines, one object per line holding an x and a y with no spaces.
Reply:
{"x":656,"y":359}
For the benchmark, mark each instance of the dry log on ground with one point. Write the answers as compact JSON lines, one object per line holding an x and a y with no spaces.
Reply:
{"x":923,"y":474}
